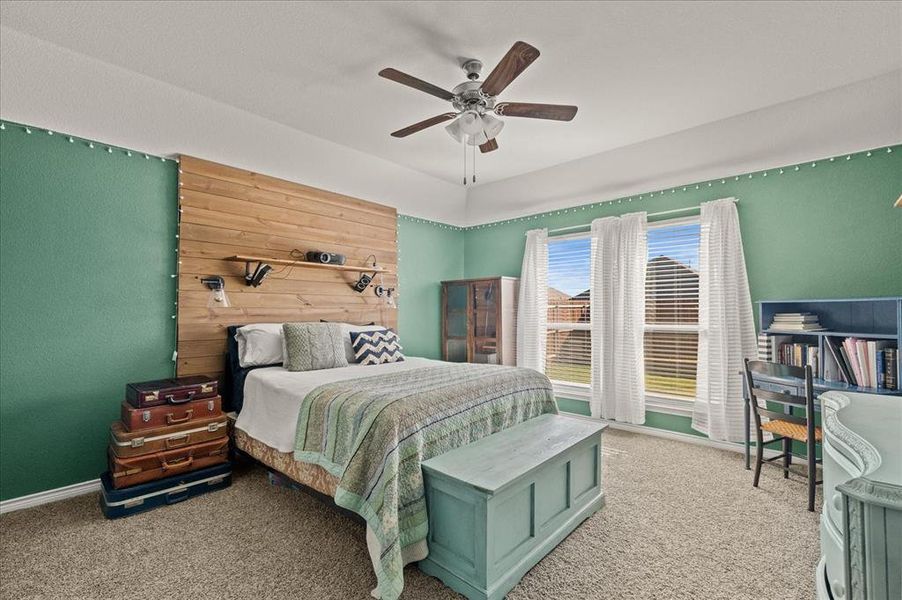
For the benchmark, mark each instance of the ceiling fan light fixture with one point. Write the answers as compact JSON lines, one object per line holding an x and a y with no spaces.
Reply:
{"x":474,"y":129}
{"x":491,"y":126}
{"x":454,"y":131}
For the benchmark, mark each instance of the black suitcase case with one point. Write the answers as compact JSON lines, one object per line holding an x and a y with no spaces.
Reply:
{"x":170,"y":391}
{"x":171,"y":490}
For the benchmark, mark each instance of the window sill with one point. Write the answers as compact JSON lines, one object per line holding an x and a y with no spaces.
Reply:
{"x":671,"y":405}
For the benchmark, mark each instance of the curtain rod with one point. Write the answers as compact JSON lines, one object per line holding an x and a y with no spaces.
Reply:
{"x":654,"y":214}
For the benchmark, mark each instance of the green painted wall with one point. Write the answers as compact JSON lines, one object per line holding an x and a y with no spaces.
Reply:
{"x":87,"y":249}
{"x":87,"y":243}
{"x":826,"y":231}
{"x":428,"y":254}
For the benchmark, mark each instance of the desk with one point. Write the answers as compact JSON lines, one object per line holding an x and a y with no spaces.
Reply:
{"x":796,"y":387}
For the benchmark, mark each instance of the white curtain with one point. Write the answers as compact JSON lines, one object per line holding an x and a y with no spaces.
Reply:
{"x":532,"y":309}
{"x":618,"y":318}
{"x":726,"y":325}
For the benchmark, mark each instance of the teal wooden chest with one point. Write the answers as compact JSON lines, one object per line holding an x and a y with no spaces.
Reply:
{"x":498,"y":505}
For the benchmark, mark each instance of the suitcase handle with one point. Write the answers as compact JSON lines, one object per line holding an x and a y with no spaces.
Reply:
{"x":177,"y":442}
{"x":177,"y":496}
{"x":171,"y":399}
{"x":178,"y":463}
{"x":172,"y":421}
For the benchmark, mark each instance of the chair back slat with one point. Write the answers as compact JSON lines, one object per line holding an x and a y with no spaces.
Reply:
{"x":762,"y":394}
{"x":770,"y":414}
{"x":770,"y":369}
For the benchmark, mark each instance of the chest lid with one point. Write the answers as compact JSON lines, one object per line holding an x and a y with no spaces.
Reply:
{"x":493,"y":462}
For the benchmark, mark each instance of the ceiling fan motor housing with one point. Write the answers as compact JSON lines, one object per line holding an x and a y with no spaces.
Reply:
{"x":469,"y":96}
{"x":472,"y":68}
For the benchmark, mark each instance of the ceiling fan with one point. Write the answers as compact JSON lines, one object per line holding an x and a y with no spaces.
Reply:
{"x":476,"y":102}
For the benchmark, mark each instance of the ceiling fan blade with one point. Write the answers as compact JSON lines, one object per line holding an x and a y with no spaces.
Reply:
{"x":520,"y":56}
{"x":555,"y":112}
{"x":489,"y":146}
{"x":417,"y":84}
{"x":423,"y":125}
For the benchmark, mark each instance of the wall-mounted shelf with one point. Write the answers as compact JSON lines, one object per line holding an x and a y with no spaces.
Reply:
{"x":306,"y":264}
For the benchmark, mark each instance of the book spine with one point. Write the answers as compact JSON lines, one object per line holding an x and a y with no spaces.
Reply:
{"x":881,"y":372}
{"x":848,"y":360}
{"x":891,"y":368}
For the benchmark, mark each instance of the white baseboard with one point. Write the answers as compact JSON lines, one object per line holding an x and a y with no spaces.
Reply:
{"x":54,"y":495}
{"x":87,"y":487}
{"x":687,"y":437}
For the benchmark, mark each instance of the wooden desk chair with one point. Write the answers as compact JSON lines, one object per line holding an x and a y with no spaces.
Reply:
{"x":786,"y":427}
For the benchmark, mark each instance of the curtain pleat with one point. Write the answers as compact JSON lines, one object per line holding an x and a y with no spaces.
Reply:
{"x":532,"y":308}
{"x":618,"y":318}
{"x":726,"y":324}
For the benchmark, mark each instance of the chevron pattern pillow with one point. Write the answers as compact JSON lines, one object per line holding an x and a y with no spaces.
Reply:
{"x":376,"y":347}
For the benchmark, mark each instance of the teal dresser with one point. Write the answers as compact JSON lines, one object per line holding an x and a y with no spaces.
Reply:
{"x":861,"y":522}
{"x":498,"y":505}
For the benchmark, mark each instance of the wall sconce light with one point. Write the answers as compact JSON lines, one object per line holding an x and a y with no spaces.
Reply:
{"x":218,"y":297}
{"x":388,"y":293}
{"x":256,"y":277}
{"x":365,"y":279}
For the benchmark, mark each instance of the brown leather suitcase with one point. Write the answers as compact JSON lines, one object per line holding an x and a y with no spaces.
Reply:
{"x":171,"y":391}
{"x":149,"y":467}
{"x":139,"y":419}
{"x":125,"y":444}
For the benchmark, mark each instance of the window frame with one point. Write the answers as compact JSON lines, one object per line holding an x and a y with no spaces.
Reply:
{"x":654,"y":401}
{"x":570,"y":389}
{"x":658,"y":401}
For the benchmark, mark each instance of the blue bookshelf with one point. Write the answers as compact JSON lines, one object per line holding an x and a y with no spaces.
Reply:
{"x":864,"y":318}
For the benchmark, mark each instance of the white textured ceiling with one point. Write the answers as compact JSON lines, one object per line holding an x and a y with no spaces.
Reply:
{"x":637,"y":71}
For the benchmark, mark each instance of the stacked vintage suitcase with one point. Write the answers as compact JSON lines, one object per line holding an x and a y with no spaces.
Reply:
{"x":171,"y":444}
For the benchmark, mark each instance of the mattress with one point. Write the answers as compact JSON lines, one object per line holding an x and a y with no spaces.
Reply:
{"x":273,"y":396}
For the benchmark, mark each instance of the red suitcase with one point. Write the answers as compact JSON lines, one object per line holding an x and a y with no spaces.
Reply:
{"x":170,"y":391}
{"x":136,"y":419}
{"x":141,"y":469}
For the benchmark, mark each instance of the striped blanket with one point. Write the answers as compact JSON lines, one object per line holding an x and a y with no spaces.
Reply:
{"x":373,"y":434}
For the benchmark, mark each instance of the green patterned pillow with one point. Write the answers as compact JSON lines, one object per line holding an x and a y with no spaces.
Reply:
{"x":312,"y":346}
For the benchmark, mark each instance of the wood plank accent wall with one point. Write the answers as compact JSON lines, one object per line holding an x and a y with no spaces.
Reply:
{"x":227,"y":211}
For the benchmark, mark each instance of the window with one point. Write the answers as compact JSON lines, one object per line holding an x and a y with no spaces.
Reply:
{"x":671,"y":308}
{"x":671,"y":313}
{"x":568,"y":350}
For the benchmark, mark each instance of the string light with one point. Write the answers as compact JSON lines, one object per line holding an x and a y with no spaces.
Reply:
{"x":869,"y":154}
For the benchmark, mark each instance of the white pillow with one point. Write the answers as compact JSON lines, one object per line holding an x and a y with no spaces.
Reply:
{"x":346,"y":329}
{"x":259,"y":344}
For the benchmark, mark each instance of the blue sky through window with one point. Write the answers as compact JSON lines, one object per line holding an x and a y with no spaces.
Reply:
{"x":568,"y":259}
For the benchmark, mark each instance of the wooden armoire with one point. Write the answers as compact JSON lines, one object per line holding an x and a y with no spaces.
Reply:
{"x":479,"y":320}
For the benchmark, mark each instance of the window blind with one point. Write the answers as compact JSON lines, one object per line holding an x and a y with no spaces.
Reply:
{"x":671,"y":309}
{"x":568,"y":354}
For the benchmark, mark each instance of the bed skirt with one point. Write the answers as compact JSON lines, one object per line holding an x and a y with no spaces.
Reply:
{"x":312,"y":476}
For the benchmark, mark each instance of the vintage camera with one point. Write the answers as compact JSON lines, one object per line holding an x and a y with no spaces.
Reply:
{"x":327,"y":258}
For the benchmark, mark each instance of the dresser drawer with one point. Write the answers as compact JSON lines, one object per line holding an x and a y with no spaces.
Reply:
{"x":834,"y":473}
{"x":832,"y":551}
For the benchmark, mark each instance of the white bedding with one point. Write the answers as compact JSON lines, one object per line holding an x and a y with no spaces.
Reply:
{"x":273,"y":396}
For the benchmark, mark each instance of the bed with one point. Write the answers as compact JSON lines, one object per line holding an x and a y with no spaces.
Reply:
{"x":359,"y":433}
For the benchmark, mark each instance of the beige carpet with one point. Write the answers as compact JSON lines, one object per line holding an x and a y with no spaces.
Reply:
{"x":682,"y":521}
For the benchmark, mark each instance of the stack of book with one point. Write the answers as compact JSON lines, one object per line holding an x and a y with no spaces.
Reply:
{"x":783,"y":350}
{"x":803,"y":321}
{"x":862,"y":363}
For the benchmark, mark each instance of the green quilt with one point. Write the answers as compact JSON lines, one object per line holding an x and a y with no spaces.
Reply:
{"x":373,"y":434}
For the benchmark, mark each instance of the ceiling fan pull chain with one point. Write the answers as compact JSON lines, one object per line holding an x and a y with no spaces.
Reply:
{"x":474,"y":163}
{"x":465,"y":161}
